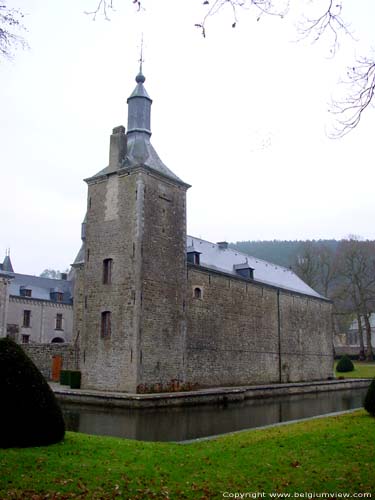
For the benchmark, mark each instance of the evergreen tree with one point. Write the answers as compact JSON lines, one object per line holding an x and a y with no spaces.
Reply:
{"x":30,"y":414}
{"x":369,"y":402}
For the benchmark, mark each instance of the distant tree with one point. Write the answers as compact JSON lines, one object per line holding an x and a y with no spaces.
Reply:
{"x":316,"y":265}
{"x":11,"y":23}
{"x":356,"y":264}
{"x":53,"y":274}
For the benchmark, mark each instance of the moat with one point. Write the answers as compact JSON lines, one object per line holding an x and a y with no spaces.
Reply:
{"x":184,"y":423}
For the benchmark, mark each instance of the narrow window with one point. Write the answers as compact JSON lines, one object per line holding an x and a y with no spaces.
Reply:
{"x":25,"y":339}
{"x":85,"y":301}
{"x":197,"y":293}
{"x":107,"y":271}
{"x":59,"y":321}
{"x":106,"y":324}
{"x":26,"y":319}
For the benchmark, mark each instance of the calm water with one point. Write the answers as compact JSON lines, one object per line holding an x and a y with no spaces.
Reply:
{"x":179,"y":424}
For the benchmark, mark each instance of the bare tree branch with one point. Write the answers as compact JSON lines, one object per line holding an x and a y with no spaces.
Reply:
{"x":322,"y":20}
{"x":269,"y":7}
{"x":361,"y":83}
{"x":329,"y":23}
{"x":10,"y":23}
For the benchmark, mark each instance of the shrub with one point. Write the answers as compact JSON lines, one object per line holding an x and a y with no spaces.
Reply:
{"x":345,"y":365}
{"x":30,"y":414}
{"x":75,"y":379}
{"x":65,"y":377}
{"x":369,"y":402}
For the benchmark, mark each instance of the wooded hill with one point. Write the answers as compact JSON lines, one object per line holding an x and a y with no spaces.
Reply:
{"x":279,"y":252}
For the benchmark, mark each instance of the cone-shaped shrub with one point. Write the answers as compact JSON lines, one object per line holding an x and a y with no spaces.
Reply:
{"x":369,"y":402}
{"x":30,"y":413}
{"x":345,"y":365}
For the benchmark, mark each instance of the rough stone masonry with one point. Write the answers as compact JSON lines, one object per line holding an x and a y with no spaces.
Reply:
{"x":148,"y":320}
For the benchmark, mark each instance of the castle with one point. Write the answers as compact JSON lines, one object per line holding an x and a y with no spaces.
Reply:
{"x":155,"y":309}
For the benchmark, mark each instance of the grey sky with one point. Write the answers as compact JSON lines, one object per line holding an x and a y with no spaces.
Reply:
{"x":240,"y":115}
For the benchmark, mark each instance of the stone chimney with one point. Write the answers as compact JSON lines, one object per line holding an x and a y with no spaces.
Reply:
{"x":117,"y":148}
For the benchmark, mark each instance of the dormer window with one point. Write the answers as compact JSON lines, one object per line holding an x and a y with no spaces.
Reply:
{"x":245,"y":271}
{"x":25,"y":292}
{"x":107,"y":271}
{"x":193,"y":257}
{"x":56,"y":295}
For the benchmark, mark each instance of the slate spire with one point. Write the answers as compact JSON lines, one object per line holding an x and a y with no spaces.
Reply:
{"x":140,"y":151}
{"x":139,"y":108}
{"x":7,"y":263}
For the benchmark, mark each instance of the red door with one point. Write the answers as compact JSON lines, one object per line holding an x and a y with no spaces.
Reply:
{"x":56,"y":368}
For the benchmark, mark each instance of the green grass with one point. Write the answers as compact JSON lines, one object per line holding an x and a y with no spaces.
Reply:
{"x":333,"y":454}
{"x":362,"y":369}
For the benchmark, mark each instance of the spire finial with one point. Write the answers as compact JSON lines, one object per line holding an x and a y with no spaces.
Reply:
{"x":140,"y":78}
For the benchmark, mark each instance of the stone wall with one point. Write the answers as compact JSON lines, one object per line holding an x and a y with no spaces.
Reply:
{"x":42,"y":354}
{"x":109,"y":363}
{"x":137,"y":219}
{"x":163,"y":283}
{"x":244,"y":333}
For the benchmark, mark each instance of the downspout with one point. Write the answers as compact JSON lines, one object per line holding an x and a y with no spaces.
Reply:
{"x":279,"y":333}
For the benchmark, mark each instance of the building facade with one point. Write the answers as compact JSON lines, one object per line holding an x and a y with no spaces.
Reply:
{"x":155,"y":309}
{"x":35,"y":310}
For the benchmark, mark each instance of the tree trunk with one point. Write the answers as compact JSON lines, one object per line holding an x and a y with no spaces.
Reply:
{"x":369,"y":351}
{"x":361,"y":355}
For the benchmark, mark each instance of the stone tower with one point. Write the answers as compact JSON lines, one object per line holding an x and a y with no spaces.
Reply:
{"x":131,"y":271}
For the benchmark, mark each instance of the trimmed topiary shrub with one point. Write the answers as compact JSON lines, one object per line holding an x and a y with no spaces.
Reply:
{"x":369,"y":402}
{"x":345,"y":365}
{"x":75,"y":379}
{"x":30,"y":413}
{"x":65,"y":377}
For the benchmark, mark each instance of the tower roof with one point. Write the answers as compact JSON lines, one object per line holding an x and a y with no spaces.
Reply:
{"x":7,"y":264}
{"x":139,"y":150}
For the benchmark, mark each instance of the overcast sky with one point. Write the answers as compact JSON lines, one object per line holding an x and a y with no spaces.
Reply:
{"x":240,"y":115}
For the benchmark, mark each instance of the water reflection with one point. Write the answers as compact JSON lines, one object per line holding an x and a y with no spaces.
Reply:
{"x":179,"y":424}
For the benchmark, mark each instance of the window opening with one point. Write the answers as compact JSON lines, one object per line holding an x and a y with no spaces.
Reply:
{"x":106,"y":324}
{"x":107,"y":271}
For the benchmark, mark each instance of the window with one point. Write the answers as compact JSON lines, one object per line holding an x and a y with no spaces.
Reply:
{"x":107,"y":271}
{"x":193,"y":257}
{"x":57,"y":296}
{"x":106,"y":324}
{"x":25,"y":339}
{"x":26,"y":319}
{"x":197,"y":293}
{"x":25,"y":292}
{"x":59,"y":322}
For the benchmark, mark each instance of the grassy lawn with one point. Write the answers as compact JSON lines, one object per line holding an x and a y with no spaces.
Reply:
{"x":334,"y":454}
{"x":362,"y":369}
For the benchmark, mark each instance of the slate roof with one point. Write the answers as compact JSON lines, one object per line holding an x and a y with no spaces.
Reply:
{"x":227,"y":260}
{"x":41,"y":287}
{"x":140,"y":152}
